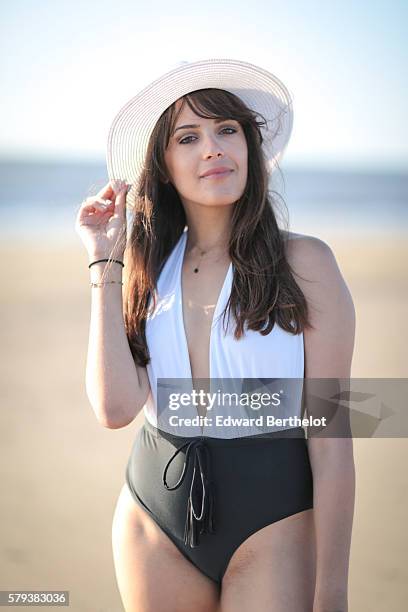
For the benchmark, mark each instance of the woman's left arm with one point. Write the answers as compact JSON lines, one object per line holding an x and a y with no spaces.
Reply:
{"x":328,"y":354}
{"x":333,"y":500}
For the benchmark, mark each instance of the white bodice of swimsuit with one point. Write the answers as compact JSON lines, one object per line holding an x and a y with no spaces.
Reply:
{"x":278,"y":355}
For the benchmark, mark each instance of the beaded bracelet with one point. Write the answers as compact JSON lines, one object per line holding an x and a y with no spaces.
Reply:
{"x":104,"y":283}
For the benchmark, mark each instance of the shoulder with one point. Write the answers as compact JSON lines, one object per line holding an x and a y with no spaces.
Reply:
{"x":313,"y":262}
{"x":311,"y":259}
{"x":302,"y":244}
{"x":329,"y":343}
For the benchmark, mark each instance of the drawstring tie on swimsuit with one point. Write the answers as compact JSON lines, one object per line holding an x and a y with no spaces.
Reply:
{"x":201,"y":475}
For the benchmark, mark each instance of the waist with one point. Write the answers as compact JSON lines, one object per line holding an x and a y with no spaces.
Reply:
{"x":292,"y":432}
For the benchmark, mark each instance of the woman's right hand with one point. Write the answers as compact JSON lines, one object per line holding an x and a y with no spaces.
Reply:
{"x":101,"y":221}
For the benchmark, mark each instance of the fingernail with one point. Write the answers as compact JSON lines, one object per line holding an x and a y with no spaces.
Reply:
{"x":118,"y":185}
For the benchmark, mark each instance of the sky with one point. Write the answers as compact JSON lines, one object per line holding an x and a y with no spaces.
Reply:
{"x":67,"y":68}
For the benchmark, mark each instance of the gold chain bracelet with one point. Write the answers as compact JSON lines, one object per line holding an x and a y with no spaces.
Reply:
{"x":104,"y":283}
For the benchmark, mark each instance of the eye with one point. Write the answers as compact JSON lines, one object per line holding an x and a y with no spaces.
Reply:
{"x":229,"y":128}
{"x":186,"y":140}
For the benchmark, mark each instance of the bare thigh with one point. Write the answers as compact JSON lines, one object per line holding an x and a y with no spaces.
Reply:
{"x":152,"y":574}
{"x":273,"y":570}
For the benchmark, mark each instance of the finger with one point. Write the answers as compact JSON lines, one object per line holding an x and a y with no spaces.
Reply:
{"x":111,"y":189}
{"x":97,"y":203}
{"x":120,"y":202}
{"x":107,"y":191}
{"x":104,"y":204}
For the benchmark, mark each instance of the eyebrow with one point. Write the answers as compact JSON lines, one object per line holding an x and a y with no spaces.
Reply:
{"x":195,"y":125}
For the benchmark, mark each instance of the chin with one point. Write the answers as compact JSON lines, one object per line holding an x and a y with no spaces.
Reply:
{"x":220,"y":199}
{"x":226,"y":201}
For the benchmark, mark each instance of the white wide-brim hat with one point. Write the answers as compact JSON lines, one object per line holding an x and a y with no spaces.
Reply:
{"x":133,"y":125}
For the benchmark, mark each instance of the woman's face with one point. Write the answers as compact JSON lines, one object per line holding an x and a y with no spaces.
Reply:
{"x":210,"y":144}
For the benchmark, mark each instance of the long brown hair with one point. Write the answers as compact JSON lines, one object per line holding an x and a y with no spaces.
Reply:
{"x":264,"y":290}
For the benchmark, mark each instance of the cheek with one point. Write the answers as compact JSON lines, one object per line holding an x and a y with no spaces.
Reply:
{"x":181,"y":165}
{"x":244,"y":162}
{"x":243,"y":153}
{"x":184,"y":174}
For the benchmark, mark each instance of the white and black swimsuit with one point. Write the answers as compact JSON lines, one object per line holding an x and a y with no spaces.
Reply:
{"x":208,"y":486}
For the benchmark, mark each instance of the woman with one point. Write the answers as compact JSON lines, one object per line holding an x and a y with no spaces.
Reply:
{"x":225,"y":519}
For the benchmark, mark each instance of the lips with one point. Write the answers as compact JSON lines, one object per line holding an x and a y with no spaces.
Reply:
{"x":223,"y":170}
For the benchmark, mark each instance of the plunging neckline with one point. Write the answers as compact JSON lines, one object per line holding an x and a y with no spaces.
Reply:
{"x":181,"y":309}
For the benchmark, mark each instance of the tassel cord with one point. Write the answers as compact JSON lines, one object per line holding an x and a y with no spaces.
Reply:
{"x":201,"y":476}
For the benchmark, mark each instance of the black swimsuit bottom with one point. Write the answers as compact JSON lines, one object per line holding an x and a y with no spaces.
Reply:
{"x":210,"y":494}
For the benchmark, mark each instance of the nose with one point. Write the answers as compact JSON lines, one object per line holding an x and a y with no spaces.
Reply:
{"x":212,"y":148}
{"x":216,"y":153}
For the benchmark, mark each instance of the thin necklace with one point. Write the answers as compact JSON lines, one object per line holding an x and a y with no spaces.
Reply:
{"x":197,"y":268}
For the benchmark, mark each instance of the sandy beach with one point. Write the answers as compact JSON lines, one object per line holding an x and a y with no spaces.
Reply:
{"x":61,"y":471}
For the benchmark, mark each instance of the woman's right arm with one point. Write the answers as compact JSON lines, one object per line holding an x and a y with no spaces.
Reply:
{"x":116,"y":387}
